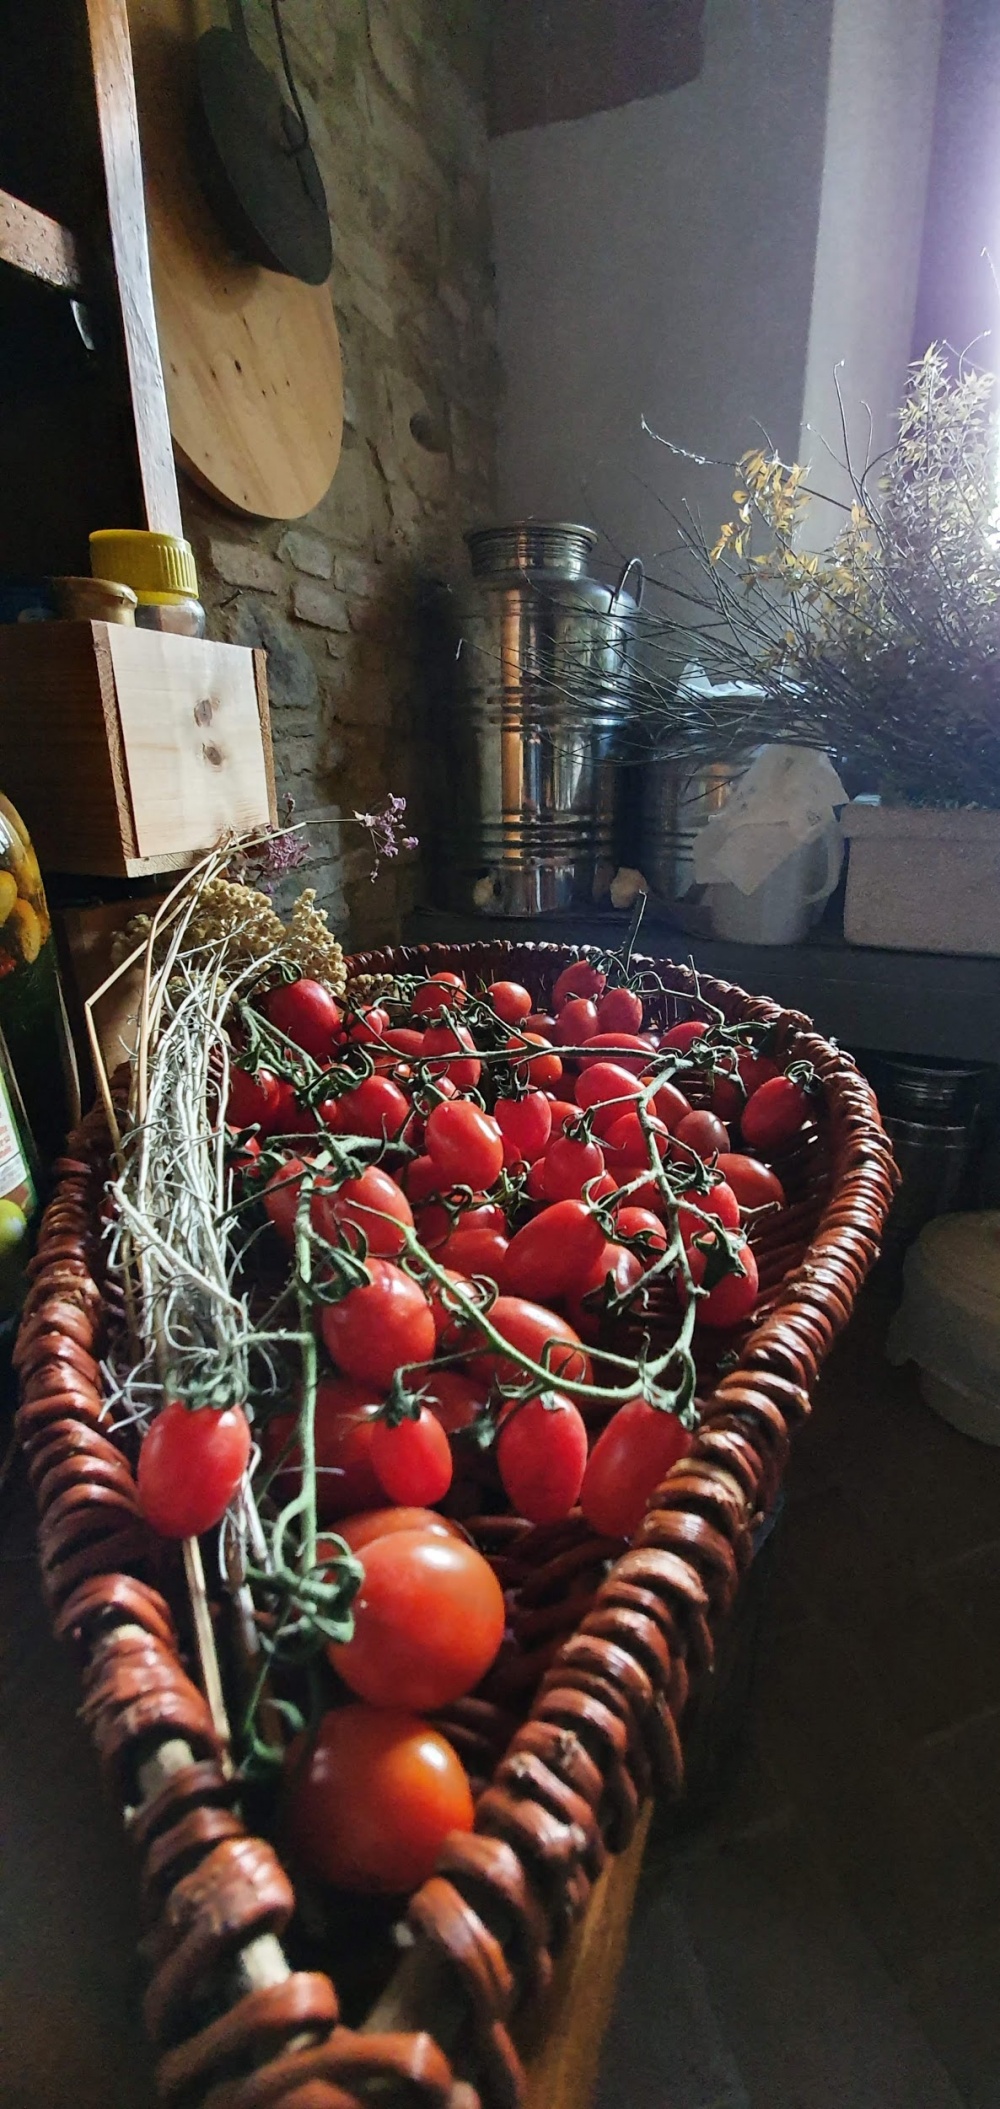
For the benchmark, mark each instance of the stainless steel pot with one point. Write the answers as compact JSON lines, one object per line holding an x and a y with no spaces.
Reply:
{"x":677,"y":801}
{"x":540,"y":691}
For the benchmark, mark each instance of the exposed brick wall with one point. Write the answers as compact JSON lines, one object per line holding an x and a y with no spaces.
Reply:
{"x":394,"y":91}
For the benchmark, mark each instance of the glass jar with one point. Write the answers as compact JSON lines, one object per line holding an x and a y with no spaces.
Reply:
{"x":32,"y":1013}
{"x":18,"y":1194}
{"x":161,"y":572}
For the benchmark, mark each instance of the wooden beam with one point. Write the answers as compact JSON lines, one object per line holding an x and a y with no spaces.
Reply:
{"x":114,"y":86}
{"x":39,"y":247}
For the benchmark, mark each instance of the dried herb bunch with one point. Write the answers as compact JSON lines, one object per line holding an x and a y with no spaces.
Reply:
{"x":883,"y":647}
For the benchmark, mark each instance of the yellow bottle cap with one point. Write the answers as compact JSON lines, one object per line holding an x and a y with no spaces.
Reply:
{"x":153,"y":565}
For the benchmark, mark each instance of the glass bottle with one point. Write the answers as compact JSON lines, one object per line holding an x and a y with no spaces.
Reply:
{"x":32,"y":1012}
{"x":19,"y":1203}
{"x":161,"y":572}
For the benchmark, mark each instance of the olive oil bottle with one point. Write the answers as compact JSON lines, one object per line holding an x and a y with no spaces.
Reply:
{"x":32,"y":1013}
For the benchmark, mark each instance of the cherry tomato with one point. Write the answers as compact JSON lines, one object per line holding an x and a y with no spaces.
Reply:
{"x":412,"y":1459}
{"x":626,"y":1144}
{"x":307,"y":1014}
{"x":541,"y":1457}
{"x":421,"y":1178}
{"x":436,"y":1223}
{"x":599,"y":1189}
{"x":443,"y":1309}
{"x":615,"y":1264}
{"x":577,"y":1022}
{"x":633,"y":1222}
{"x":733,"y":1298}
{"x":371,"y":1804}
{"x":286,"y":1116}
{"x":616,"y":1048}
{"x":607,"y":1091}
{"x":372,"y":1203}
{"x":466,"y":1145}
{"x":777,"y":1111}
{"x":253,"y":1100}
{"x":457,"y":1040}
{"x":620,"y":1011}
{"x":755,"y":1185}
{"x":564,"y":1115}
{"x":443,"y":992}
{"x":755,"y":1070}
{"x":702,"y":1132}
{"x":510,"y":1001}
{"x":375,"y":1107}
{"x":453,"y":1398}
{"x":357,"y":1531}
{"x":547,"y":1255}
{"x":568,"y":1166}
{"x":534,"y":1185}
{"x":346,"y":1417}
{"x":525,"y":1124}
{"x":404,"y":1041}
{"x":472,"y":1250}
{"x":686,"y":1035}
{"x":727,"y":1098}
{"x":541,"y":1335}
{"x":670,"y":1106}
{"x":540,"y":1022}
{"x":628,"y":1460}
{"x":540,"y":1070}
{"x":378,"y":1327}
{"x":281,"y":1197}
{"x":428,"y":1620}
{"x":580,"y":979}
{"x":693,"y":1219}
{"x":190,"y":1466}
{"x":369,"y":1025}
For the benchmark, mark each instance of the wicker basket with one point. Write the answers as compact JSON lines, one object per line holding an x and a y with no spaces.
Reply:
{"x":585,"y":1729}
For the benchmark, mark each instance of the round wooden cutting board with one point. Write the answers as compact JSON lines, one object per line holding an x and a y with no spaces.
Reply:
{"x":251,"y":358}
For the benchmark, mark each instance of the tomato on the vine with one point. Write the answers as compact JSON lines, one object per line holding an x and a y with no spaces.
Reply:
{"x":633,"y":1222}
{"x":755,"y":1070}
{"x":615,"y":1266}
{"x":620,"y":1011}
{"x":253,"y":1100}
{"x":443,"y":992}
{"x":345,"y":1417}
{"x":444,"y":1310}
{"x":702,"y":1132}
{"x":776,"y":1113}
{"x":428,"y":1620}
{"x":475,"y":1250}
{"x":629,"y":1459}
{"x":686,"y":1035}
{"x":379,"y":1326}
{"x":539,"y":1071}
{"x":404,"y":1041}
{"x":732,"y":1299}
{"x":525,"y":1124}
{"x":465,"y":1143}
{"x":421,"y":1178}
{"x":440,"y":1040}
{"x":568,"y":1166}
{"x":373,"y":1798}
{"x":375,"y":1107}
{"x":533,"y":1331}
{"x":190,"y":1466}
{"x":454,"y":1399}
{"x":617,"y":1048}
{"x":694,"y":1217}
{"x":670,"y":1106}
{"x":608,"y":1091}
{"x":412,"y":1458}
{"x":511,"y":1002}
{"x":578,"y":979}
{"x":577,"y":1022}
{"x":541,"y":1456}
{"x":372,"y":1203}
{"x":363,"y":1529}
{"x":550,"y":1252}
{"x":627,"y":1147}
{"x":307,"y":1014}
{"x":754,"y":1184}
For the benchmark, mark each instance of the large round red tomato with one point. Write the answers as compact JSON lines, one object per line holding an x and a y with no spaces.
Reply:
{"x":636,"y":1449}
{"x":306,"y":1013}
{"x":412,"y":1459}
{"x":465,"y":1144}
{"x":532,"y":1330}
{"x":551,"y":1252}
{"x":190,"y":1466}
{"x":541,"y":1455}
{"x":378,"y":1327}
{"x":428,"y":1620}
{"x":372,"y":1801}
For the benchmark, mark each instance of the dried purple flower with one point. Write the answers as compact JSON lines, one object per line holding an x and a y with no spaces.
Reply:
{"x":264,"y":863}
{"x":383,"y":827}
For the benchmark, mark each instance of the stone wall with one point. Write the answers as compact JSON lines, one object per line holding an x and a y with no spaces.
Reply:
{"x":394,"y":91}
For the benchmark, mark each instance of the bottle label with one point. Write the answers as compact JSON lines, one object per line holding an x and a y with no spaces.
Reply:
{"x":17,"y":1190}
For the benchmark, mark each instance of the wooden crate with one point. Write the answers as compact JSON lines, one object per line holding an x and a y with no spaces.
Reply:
{"x":130,"y":751}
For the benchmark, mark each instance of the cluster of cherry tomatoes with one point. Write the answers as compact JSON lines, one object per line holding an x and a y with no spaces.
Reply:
{"x":483,"y":1198}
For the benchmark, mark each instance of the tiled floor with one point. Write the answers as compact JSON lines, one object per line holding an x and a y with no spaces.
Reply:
{"x":829,"y":1940}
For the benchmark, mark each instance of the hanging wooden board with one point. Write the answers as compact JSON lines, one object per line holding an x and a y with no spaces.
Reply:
{"x":251,"y":358}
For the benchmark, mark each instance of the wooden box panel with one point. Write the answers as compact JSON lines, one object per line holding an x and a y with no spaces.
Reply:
{"x":128,"y":751}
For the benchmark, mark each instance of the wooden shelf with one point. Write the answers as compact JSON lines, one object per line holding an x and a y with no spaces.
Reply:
{"x":38,"y":246}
